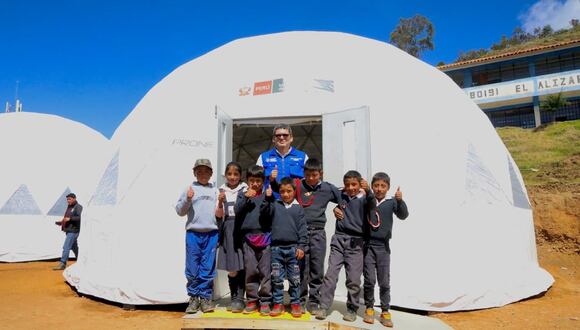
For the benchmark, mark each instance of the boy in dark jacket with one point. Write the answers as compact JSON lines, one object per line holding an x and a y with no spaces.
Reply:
{"x":313,"y":195}
{"x":255,"y":229}
{"x":377,"y":253}
{"x":346,"y":246}
{"x":289,"y":240}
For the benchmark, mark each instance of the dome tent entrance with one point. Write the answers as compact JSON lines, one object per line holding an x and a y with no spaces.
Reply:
{"x":468,"y":243}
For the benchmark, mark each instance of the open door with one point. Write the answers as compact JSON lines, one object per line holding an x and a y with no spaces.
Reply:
{"x":224,"y":141}
{"x":345,"y":146}
{"x":346,"y":143}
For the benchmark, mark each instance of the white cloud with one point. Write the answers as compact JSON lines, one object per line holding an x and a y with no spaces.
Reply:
{"x":555,"y":13}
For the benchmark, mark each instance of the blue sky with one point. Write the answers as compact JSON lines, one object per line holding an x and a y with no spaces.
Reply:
{"x":92,"y":61}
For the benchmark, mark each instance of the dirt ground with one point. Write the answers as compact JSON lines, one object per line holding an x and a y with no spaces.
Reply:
{"x":32,"y":296}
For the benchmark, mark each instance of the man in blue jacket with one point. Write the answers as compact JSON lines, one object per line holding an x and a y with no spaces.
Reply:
{"x":283,"y":160}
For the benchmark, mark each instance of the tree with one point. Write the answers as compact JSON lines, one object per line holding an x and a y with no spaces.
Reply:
{"x":546,"y":31}
{"x":413,"y":35}
{"x":552,"y":103}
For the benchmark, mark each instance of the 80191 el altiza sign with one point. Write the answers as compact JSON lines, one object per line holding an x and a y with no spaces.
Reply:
{"x":539,"y":85}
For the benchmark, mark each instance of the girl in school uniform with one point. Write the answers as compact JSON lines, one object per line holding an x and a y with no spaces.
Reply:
{"x":230,"y":256}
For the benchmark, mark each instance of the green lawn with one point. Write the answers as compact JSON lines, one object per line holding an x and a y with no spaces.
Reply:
{"x":545,"y":155}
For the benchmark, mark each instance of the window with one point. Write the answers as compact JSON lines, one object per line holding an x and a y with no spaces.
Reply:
{"x":521,"y":70}
{"x":567,"y":62}
{"x":522,"y":116}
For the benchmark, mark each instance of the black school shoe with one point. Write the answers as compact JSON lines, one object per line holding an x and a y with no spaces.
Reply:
{"x":237,"y":306}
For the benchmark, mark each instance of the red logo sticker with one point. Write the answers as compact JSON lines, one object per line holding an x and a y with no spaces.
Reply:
{"x":263,"y":87}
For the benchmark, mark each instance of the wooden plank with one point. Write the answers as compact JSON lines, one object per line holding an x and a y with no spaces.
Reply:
{"x":228,"y":323}
{"x":340,"y":326}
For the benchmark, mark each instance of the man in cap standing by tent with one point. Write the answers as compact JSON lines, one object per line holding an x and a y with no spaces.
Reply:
{"x":71,"y":225}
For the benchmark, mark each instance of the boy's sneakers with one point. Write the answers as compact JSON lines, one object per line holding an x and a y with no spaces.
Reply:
{"x":207,"y":305}
{"x":369,"y":316}
{"x":277,"y":310}
{"x":349,"y":316}
{"x":321,"y":314}
{"x":296,"y":310}
{"x":265,"y":309}
{"x":250,"y":307}
{"x":60,"y":266}
{"x":237,"y":306}
{"x":386,"y":319}
{"x":193,"y":306}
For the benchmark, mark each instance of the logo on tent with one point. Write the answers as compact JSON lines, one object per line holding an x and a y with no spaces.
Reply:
{"x":268,"y":87}
{"x":263,"y":87}
{"x":325,"y":85}
{"x":60,"y":205}
{"x":21,"y":202}
{"x":278,"y":85}
{"x":244,"y":91}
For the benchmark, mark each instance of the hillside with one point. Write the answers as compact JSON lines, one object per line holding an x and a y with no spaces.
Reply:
{"x":546,"y":155}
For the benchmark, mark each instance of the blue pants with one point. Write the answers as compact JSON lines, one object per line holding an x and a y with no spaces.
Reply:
{"x":200,"y":255}
{"x":285,"y":264}
{"x":70,"y":243}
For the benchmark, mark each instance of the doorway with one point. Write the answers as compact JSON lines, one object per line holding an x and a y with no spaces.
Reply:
{"x":341,"y":140}
{"x":251,"y":139}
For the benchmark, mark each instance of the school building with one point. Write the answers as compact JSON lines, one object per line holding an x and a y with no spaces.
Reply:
{"x":509,"y":87}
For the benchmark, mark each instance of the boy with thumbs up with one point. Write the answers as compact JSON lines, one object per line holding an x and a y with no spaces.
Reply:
{"x":377,"y":253}
{"x":255,"y":228}
{"x":199,"y":203}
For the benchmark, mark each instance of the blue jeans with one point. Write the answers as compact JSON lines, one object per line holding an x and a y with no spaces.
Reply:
{"x":285,"y":264}
{"x":200,"y":255}
{"x":70,"y":243}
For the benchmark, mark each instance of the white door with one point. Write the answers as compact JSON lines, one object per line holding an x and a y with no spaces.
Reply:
{"x":345,"y":146}
{"x":224,"y":141}
{"x":346,"y":143}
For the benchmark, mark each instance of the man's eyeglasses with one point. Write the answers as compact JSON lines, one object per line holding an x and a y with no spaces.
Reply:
{"x":281,"y":135}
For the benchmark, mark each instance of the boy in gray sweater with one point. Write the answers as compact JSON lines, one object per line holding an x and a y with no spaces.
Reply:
{"x":201,"y":237}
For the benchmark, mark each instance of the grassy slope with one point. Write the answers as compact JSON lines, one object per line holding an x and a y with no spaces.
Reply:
{"x":546,"y":155}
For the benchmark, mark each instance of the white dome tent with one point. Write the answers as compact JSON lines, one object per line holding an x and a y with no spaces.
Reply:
{"x":468,"y":242}
{"x":44,"y":157}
